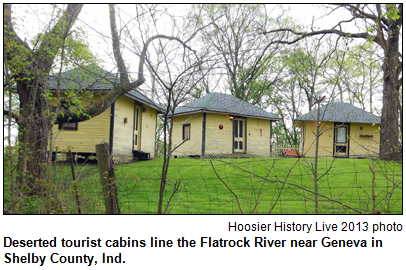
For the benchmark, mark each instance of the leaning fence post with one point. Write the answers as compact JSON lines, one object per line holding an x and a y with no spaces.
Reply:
{"x":106,"y":170}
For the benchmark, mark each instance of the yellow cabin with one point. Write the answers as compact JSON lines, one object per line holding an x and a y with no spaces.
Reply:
{"x":221,"y":125}
{"x":128,"y":126}
{"x":346,"y":131}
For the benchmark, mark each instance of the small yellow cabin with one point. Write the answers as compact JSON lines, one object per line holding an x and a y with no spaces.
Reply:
{"x":128,"y":126}
{"x":221,"y":125}
{"x":346,"y":131}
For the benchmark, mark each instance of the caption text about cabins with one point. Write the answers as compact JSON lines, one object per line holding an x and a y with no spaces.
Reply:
{"x":17,"y":254}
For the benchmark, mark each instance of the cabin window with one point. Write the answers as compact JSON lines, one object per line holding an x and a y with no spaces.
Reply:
{"x":341,"y":135}
{"x":68,"y":126}
{"x":186,"y":132}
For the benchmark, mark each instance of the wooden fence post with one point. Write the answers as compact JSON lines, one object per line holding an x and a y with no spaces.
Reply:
{"x":106,"y":170}
{"x":75,"y":183}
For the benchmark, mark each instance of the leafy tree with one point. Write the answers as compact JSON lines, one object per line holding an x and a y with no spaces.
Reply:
{"x":308,"y":63}
{"x":30,"y":67}
{"x":361,"y":77}
{"x":381,"y":24}
{"x":177,"y":75}
{"x":243,"y":53}
{"x":300,"y":83}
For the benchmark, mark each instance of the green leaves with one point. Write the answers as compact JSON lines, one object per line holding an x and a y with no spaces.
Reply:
{"x":392,"y":12}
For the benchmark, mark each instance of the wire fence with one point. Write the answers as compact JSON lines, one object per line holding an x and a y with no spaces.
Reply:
{"x":234,"y":186}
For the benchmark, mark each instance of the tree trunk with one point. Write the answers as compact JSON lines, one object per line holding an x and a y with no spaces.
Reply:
{"x":107,"y":178}
{"x":33,"y":138}
{"x":389,"y":141}
{"x":167,"y":158}
{"x":30,"y":69}
{"x":391,"y":119}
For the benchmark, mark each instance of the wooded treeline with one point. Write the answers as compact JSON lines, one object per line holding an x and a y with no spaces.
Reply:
{"x":262,"y":54}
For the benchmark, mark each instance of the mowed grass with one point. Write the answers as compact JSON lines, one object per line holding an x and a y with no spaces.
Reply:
{"x":234,"y":186}
{"x":260,"y":186}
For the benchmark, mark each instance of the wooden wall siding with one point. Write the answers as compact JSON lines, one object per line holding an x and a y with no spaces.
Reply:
{"x":359,"y":146}
{"x":325,"y":141}
{"x":123,"y":132}
{"x":259,"y":142}
{"x":218,"y":141}
{"x":362,"y":145}
{"x":148,"y":130}
{"x":91,"y":132}
{"x":194,"y":145}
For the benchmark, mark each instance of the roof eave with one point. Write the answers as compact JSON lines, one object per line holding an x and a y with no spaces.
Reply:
{"x":299,"y":122}
{"x":229,"y":113}
{"x":245,"y":115}
{"x":144,"y":102}
{"x":186,"y":113}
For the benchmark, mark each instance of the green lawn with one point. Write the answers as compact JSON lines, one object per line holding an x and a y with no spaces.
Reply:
{"x":248,"y":190}
{"x":257,"y":186}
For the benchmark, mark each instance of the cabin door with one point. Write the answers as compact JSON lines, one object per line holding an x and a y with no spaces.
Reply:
{"x":239,"y":135}
{"x":137,"y":127}
{"x":341,"y":140}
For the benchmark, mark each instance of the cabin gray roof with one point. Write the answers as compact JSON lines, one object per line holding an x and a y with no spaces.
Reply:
{"x":91,"y":77}
{"x":224,"y":104}
{"x":95,"y":78}
{"x":341,"y":112}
